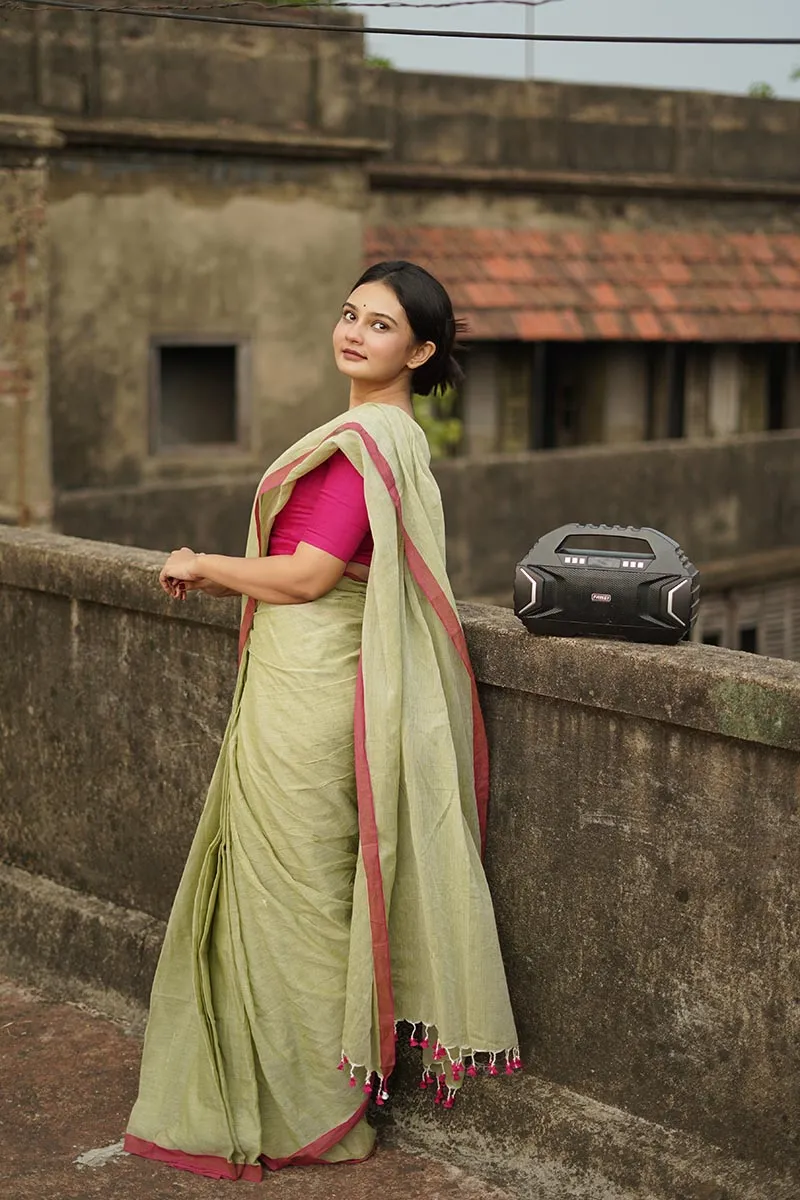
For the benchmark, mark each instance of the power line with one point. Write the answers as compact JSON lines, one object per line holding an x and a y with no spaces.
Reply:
{"x":253,"y":23}
{"x":304,"y":5}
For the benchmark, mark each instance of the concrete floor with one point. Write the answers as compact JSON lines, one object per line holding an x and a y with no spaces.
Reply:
{"x":68,"y":1079}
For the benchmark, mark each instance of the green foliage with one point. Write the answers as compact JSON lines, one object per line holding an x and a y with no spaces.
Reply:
{"x":795,"y":75}
{"x":761,"y":91}
{"x":374,"y":60}
{"x":442,"y":428}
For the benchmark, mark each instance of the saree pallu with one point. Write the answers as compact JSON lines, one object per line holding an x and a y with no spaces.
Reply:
{"x":334,"y":892}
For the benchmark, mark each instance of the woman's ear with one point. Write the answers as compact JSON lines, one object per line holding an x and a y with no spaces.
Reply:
{"x":420,"y":355}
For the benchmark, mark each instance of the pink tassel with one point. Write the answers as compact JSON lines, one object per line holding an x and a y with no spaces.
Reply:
{"x":492,"y":1065}
{"x":344,"y":1063}
{"x":439,"y":1091}
{"x":352,"y":1081}
{"x":451,"y":1097}
{"x":472,"y":1070}
{"x":412,"y":1041}
{"x":423,"y":1083}
{"x":368,"y":1088}
{"x":424,"y":1043}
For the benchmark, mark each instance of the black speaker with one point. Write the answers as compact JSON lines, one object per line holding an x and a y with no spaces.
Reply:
{"x":608,"y":581}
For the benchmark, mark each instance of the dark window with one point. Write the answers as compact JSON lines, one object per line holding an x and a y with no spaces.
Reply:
{"x":748,"y":639}
{"x":712,"y":639}
{"x":777,"y":383}
{"x":196,"y":396}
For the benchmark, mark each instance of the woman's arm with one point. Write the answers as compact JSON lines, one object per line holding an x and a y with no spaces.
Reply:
{"x":278,"y":579}
{"x":216,"y":590}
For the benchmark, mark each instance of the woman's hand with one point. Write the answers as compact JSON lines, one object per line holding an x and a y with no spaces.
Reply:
{"x":180,"y":573}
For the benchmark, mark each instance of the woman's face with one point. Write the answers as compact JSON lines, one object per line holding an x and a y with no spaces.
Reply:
{"x":373,"y":341}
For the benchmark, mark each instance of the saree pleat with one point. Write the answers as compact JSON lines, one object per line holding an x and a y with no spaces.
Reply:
{"x":271,"y":914}
{"x":335,"y":887}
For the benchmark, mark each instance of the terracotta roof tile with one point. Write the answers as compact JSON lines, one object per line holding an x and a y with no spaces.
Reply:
{"x":575,"y":284}
{"x":662,"y":297}
{"x":648,"y":326}
{"x":608,"y":325}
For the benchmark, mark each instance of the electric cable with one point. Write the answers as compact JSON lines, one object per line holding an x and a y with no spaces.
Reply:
{"x":171,"y":14}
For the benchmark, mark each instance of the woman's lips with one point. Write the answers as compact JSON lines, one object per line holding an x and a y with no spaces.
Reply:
{"x":354,"y":354}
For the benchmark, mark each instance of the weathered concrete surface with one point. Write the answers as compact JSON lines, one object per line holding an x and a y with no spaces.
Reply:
{"x":719,"y":499}
{"x":69,"y":1082}
{"x":25,"y":470}
{"x":643,"y":840}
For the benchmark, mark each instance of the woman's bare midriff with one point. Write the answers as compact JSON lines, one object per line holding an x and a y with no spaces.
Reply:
{"x":357,"y":571}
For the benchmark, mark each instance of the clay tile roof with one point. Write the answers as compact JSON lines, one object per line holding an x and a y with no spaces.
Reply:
{"x":593,"y":284}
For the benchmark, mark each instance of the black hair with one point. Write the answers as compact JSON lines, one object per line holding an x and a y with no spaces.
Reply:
{"x":430,"y":315}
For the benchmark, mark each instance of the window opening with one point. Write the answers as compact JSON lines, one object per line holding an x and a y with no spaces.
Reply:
{"x":196,"y":396}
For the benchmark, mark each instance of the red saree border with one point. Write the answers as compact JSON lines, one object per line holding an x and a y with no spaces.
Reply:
{"x":214,"y":1167}
{"x":427,"y":583}
{"x":371,"y":854}
{"x":199,"y":1164}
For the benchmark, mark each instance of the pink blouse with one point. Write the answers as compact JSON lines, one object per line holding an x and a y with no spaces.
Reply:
{"x":327,"y":509}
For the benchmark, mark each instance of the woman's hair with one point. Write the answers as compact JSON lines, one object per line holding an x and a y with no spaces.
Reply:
{"x":430,"y":315}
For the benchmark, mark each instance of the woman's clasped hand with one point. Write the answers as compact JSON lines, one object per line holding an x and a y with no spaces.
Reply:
{"x":180,"y":575}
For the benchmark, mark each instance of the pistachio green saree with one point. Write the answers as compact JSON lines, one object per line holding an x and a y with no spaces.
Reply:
{"x":334,"y":890}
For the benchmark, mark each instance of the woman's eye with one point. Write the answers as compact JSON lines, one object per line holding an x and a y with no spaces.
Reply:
{"x":380,"y":325}
{"x":348,"y":316}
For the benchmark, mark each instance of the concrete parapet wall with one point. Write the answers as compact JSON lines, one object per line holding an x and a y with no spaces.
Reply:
{"x":445,"y":123}
{"x":643,"y":842}
{"x":111,"y":65}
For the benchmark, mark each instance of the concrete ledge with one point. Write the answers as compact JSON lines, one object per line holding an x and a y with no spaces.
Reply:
{"x":102,"y":573}
{"x":412,"y":176}
{"x":528,"y":1134}
{"x":77,"y":947}
{"x":696,"y":687}
{"x":28,"y":133}
{"x":208,"y":138}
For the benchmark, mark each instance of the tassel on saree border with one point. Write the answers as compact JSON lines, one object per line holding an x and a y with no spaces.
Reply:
{"x":465,"y":1064}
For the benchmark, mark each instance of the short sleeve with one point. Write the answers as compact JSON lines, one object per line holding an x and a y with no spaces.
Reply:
{"x":339,"y":521}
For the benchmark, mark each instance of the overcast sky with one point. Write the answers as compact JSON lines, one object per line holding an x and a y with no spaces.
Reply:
{"x":723,"y":69}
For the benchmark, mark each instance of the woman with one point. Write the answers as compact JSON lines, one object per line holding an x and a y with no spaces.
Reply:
{"x":334,"y":891}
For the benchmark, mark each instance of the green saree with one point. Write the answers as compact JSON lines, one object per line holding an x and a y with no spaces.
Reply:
{"x":334,"y":892}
